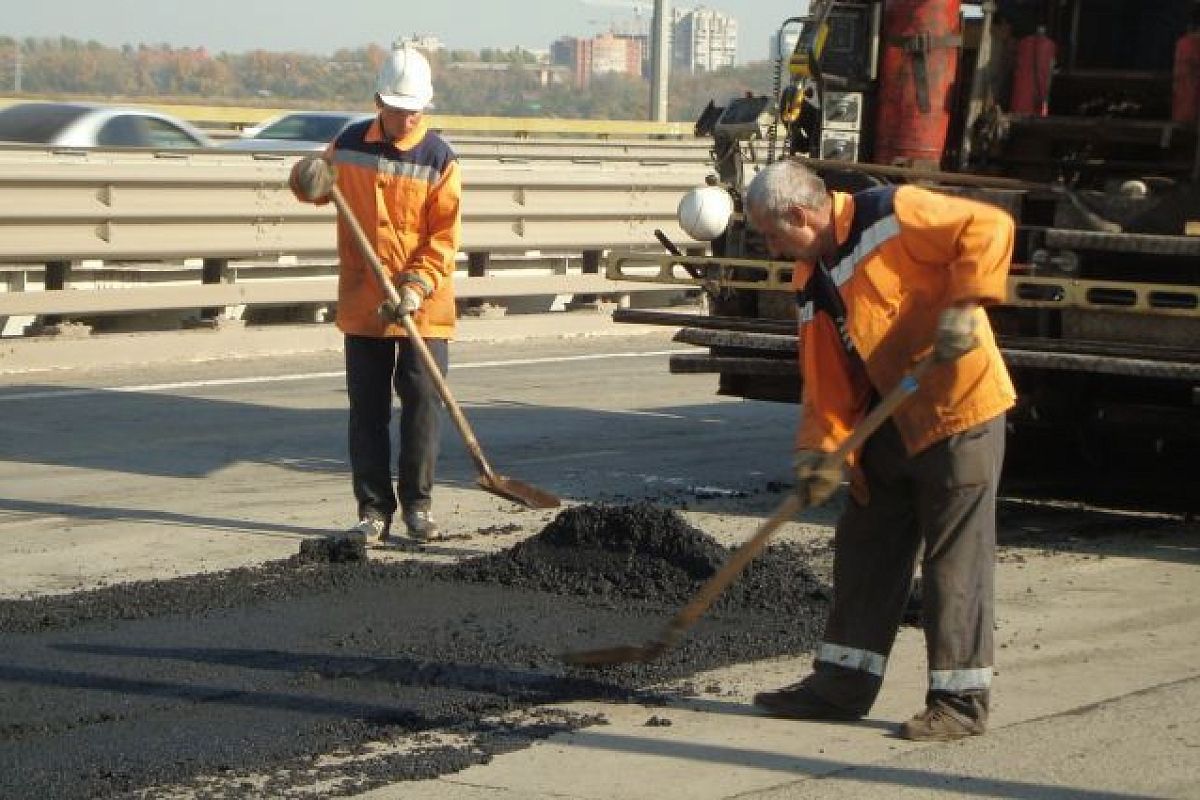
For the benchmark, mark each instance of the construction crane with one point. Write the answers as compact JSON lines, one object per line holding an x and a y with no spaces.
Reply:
{"x":637,"y":5}
{"x":659,"y":48}
{"x":639,"y":8}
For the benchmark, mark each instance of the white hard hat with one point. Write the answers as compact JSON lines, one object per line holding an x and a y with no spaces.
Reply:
{"x":704,"y":212}
{"x":405,"y":82}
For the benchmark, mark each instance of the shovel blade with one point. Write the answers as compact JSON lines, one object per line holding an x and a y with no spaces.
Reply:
{"x":519,"y":491}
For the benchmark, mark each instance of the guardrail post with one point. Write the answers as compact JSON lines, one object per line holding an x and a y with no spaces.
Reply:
{"x":593,"y":302}
{"x":477,"y":264}
{"x":591,"y":262}
{"x":477,"y":267}
{"x":216,"y":270}
{"x":16,"y":326}
{"x":57,"y":275}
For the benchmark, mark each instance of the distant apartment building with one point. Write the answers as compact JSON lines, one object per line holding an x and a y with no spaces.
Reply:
{"x":606,"y":54}
{"x":619,"y":53}
{"x":574,"y":54}
{"x":703,"y":40}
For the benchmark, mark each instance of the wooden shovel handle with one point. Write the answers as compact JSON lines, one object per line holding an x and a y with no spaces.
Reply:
{"x":792,"y":505}
{"x":410,"y":327}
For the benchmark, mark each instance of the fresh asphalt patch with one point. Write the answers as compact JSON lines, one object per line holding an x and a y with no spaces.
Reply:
{"x":346,"y":674}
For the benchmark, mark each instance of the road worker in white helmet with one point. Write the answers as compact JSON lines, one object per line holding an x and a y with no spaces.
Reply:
{"x":403,"y":185}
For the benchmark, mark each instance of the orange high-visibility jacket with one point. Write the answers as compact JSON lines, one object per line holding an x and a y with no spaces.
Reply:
{"x":904,"y":254}
{"x":407,"y":196}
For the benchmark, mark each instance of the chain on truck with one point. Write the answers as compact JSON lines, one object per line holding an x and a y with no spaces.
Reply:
{"x":1079,"y":118}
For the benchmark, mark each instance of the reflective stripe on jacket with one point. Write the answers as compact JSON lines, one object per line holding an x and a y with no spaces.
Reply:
{"x":407,"y":197}
{"x":905,"y":254}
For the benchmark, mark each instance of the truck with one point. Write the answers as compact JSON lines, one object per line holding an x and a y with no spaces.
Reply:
{"x":1078,"y":117}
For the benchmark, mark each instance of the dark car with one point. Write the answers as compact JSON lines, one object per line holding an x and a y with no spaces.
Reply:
{"x":299,"y":130}
{"x":94,"y":125}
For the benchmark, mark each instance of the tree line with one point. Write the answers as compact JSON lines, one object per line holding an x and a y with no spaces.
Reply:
{"x":490,"y":82}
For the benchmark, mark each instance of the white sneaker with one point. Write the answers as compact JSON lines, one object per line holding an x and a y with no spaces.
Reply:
{"x":420,"y":525}
{"x":369,"y":530}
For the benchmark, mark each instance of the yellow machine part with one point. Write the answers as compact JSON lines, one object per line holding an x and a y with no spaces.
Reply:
{"x":800,"y":65}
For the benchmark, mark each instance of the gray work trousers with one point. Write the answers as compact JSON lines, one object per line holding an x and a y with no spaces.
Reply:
{"x":945,"y":498}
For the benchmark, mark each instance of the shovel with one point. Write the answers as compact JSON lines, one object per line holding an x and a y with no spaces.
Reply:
{"x":508,"y":488}
{"x":741,"y":558}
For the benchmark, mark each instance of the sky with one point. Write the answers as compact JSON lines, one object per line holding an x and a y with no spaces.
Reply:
{"x":320,"y":27}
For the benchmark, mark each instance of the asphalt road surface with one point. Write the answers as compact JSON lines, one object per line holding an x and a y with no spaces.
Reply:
{"x":158,"y":641}
{"x":125,"y":688}
{"x":201,"y":456}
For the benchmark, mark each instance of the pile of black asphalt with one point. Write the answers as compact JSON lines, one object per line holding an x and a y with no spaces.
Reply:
{"x":236,"y":684}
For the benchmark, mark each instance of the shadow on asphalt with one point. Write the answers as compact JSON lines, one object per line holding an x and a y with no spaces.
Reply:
{"x":530,"y":685}
{"x":706,"y":705}
{"x":158,"y":435}
{"x":126,"y":514}
{"x":720,"y":458}
{"x":830,"y":770}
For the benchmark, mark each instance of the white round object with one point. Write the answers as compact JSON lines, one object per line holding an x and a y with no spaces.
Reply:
{"x":405,"y":81}
{"x":704,"y":212}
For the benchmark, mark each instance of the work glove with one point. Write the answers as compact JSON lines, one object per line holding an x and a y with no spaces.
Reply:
{"x":817,"y":477}
{"x":410,"y":301}
{"x":312,"y":178}
{"x":955,"y":333}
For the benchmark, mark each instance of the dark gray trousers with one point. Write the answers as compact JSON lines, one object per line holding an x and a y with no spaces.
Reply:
{"x":944,"y":498}
{"x":373,"y":367}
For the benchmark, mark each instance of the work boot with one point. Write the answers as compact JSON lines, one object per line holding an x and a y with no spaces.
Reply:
{"x":420,"y":524}
{"x":940,"y":723}
{"x":799,"y":702}
{"x":371,"y":529}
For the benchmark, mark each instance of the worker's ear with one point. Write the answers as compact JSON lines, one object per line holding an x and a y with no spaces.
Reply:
{"x":796,"y":215}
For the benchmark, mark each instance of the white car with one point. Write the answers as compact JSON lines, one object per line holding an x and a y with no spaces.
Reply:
{"x":299,"y":130}
{"x":95,"y":125}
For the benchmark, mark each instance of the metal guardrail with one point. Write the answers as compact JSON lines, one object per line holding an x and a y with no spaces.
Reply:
{"x":284,"y":291}
{"x":69,"y":206}
{"x":61,"y":207}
